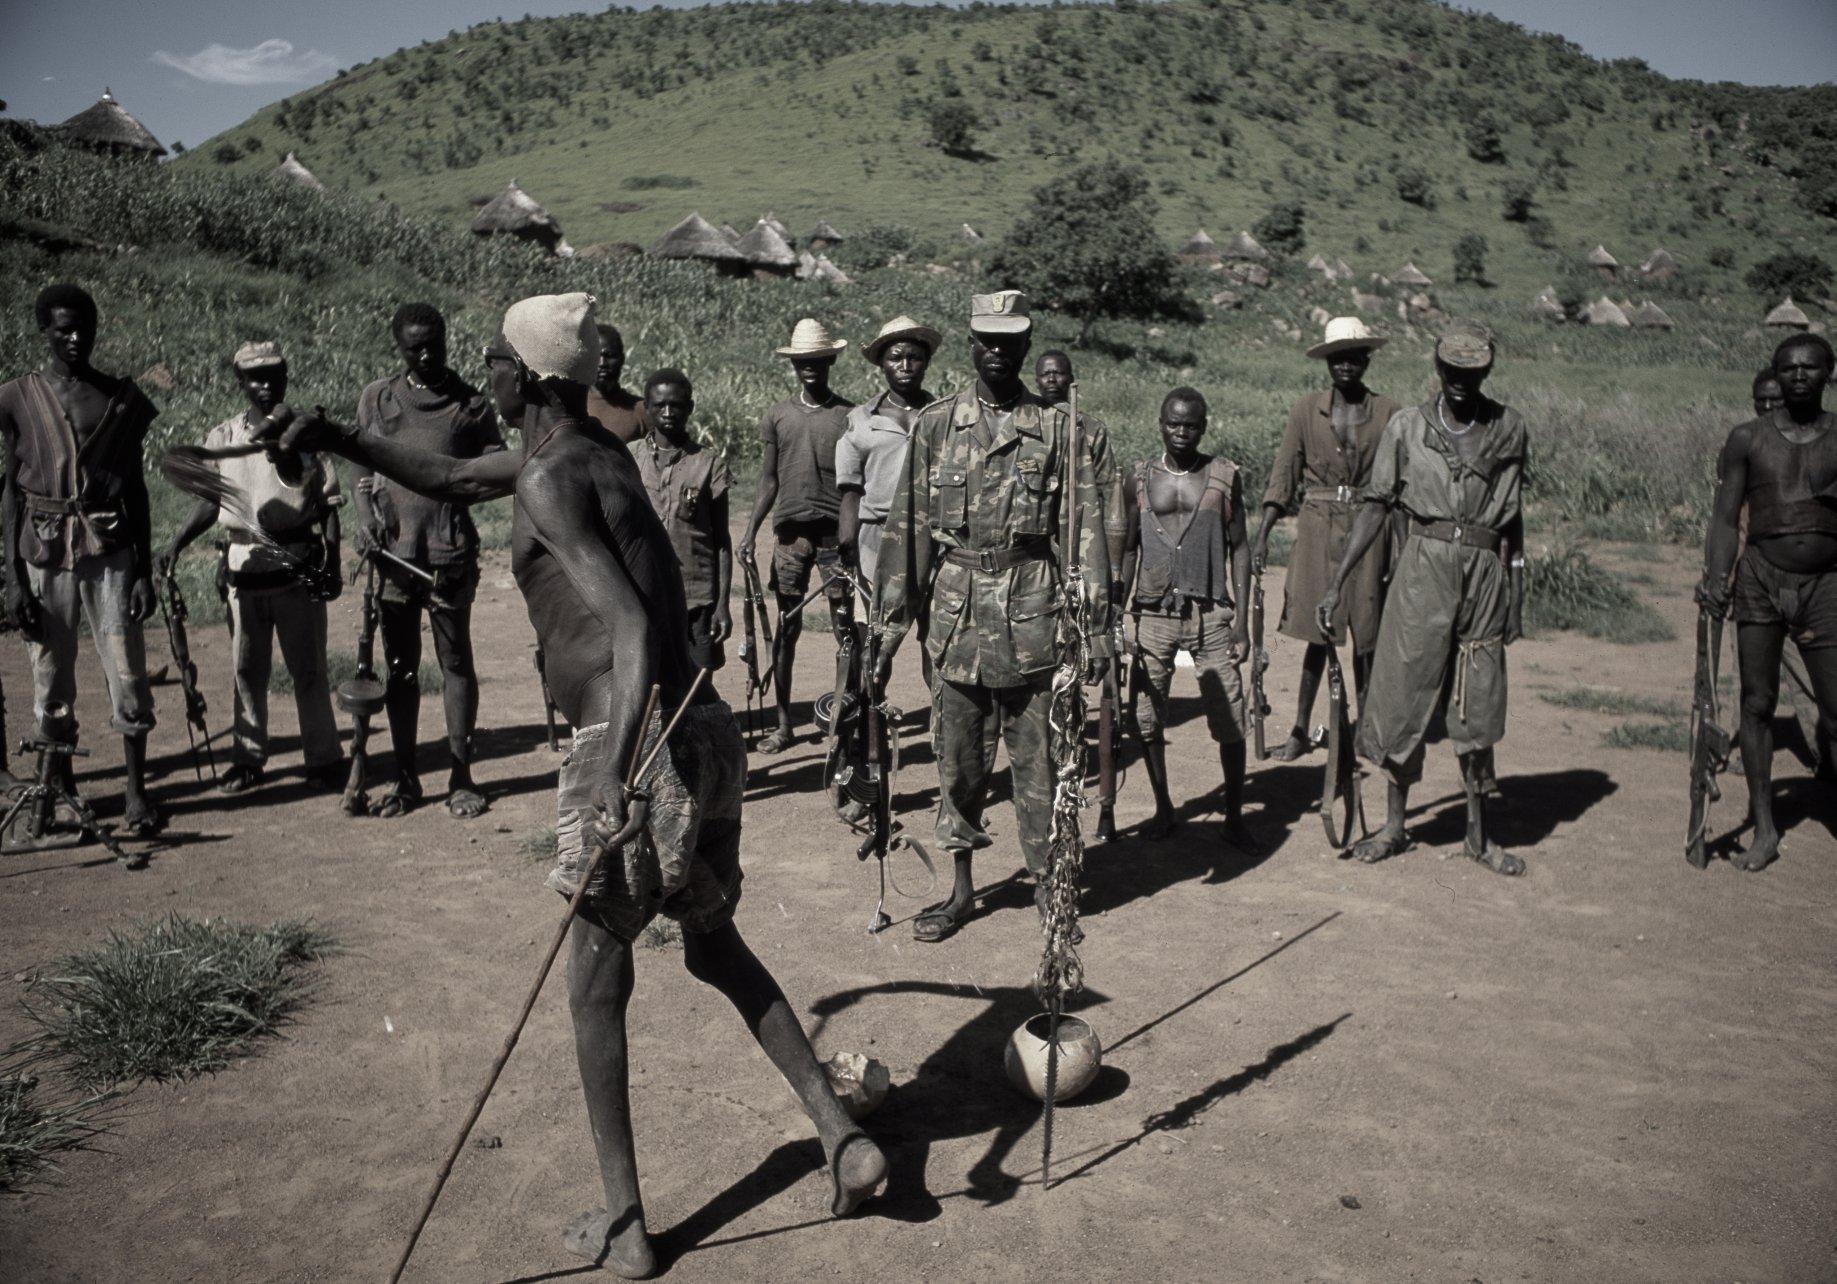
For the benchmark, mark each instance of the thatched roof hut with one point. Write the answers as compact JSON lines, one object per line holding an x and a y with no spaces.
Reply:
{"x":772,"y":220}
{"x":1410,"y":274}
{"x":1340,"y":270}
{"x":107,"y":127}
{"x":294,"y":172}
{"x":1603,"y":263}
{"x":968,"y":234}
{"x":827,"y":271}
{"x":1659,"y":265}
{"x":514,"y":212}
{"x":823,"y":236}
{"x":766,"y":251}
{"x":1320,"y":265}
{"x":1604,"y":311}
{"x":1649,"y":316}
{"x":1201,"y":249}
{"x":1789,"y":316}
{"x":696,"y":238}
{"x":1244,"y":246}
{"x":731,"y":232}
{"x":1546,"y":306}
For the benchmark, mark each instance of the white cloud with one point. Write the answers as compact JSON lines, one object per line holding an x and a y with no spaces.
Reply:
{"x":272,"y":62}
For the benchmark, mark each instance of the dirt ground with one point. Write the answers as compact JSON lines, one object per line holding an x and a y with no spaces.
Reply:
{"x":1617,"y":1068}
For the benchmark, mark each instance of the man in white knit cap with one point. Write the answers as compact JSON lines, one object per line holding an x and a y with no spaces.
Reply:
{"x":605,"y":595}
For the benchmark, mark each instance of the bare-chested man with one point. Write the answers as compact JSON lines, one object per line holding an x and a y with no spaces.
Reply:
{"x":1783,"y":466}
{"x":1186,"y":532}
{"x":600,"y":581}
{"x":78,"y":531}
{"x":623,"y":414}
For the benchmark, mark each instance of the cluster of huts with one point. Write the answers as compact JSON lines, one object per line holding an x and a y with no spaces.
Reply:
{"x":766,"y":250}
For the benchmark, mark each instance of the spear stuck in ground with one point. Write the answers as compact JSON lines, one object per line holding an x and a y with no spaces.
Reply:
{"x":635,"y":815}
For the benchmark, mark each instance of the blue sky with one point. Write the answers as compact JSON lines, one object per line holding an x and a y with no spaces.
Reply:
{"x":191,"y":70}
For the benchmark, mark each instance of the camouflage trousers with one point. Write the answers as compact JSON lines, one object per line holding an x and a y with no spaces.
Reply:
{"x":970,"y":721}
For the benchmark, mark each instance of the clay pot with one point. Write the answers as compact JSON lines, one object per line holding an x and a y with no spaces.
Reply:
{"x":1080,"y":1057}
{"x":859,"y":1081}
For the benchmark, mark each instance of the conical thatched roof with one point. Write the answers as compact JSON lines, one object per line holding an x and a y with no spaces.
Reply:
{"x":515,"y":212}
{"x":1649,"y":316}
{"x":731,"y":232}
{"x":1789,"y":315}
{"x":294,"y":172}
{"x":824,"y":231}
{"x":1340,"y":270}
{"x":1659,"y":263}
{"x":1244,"y":246}
{"x":1318,"y":264}
{"x":1604,"y":311}
{"x":765,"y":247}
{"x":824,"y":270}
{"x":1410,"y":274}
{"x":107,"y":125}
{"x":771,"y":220}
{"x":1547,"y":306}
{"x":696,"y":238}
{"x":968,"y":233}
{"x":1599,"y":257}
{"x":1201,"y":247}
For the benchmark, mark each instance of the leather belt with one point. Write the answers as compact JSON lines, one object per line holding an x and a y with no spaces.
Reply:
{"x":68,"y":507}
{"x":1458,"y":533}
{"x":993,"y":560}
{"x":298,"y":537}
{"x":1332,"y":495}
{"x":257,"y":581}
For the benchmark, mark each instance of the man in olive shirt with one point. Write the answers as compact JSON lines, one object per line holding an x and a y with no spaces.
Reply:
{"x":798,"y":476}
{"x":1455,"y":465}
{"x":620,"y":413}
{"x":687,"y":483}
{"x":974,"y":535}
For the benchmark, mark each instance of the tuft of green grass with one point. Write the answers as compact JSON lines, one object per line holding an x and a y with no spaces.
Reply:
{"x":174,"y":998}
{"x":538,"y":843}
{"x":1563,"y":589}
{"x":34,"y":1131}
{"x":1667,"y":737}
{"x":661,"y":934}
{"x":1619,"y":703}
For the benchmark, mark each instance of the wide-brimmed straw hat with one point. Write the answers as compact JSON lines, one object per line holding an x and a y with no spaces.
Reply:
{"x":901,"y":327}
{"x":811,"y":338}
{"x":1344,"y":333}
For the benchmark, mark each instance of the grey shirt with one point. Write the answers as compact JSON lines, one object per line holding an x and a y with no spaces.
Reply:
{"x":871,"y":456}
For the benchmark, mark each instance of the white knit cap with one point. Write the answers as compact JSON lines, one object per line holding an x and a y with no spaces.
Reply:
{"x":555,"y":336}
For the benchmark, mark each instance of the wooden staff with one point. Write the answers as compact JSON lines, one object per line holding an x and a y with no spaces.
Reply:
{"x":634,"y":819}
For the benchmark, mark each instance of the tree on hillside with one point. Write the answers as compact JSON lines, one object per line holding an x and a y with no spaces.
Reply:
{"x":1283,"y":230}
{"x":953,"y":126}
{"x":1086,"y":246}
{"x":1413,"y":186}
{"x":1484,"y":142}
{"x":1517,"y":199}
{"x":1804,"y":276}
{"x":1470,"y":259}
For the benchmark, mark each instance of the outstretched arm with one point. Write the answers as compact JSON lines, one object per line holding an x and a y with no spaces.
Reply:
{"x":463,"y":481}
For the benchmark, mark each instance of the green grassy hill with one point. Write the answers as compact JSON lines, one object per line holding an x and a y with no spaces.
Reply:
{"x":1399,"y":125}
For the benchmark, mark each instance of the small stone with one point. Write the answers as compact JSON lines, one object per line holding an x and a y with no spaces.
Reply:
{"x":1453,"y":995}
{"x":1350,"y":1201}
{"x":488,"y":1143}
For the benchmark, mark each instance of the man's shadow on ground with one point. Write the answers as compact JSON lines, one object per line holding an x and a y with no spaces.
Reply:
{"x":1530,"y":811}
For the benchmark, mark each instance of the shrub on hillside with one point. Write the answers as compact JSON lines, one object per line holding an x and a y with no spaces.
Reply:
{"x":1470,"y":258}
{"x":1804,"y":275}
{"x":1516,"y":200}
{"x":1413,"y":186}
{"x":1283,"y":230}
{"x":1484,"y":142}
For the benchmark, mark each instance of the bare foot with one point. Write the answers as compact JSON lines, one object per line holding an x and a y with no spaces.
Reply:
{"x":856,"y":1168}
{"x":1238,"y":834}
{"x":1296,"y":746}
{"x":1764,"y":850}
{"x":1380,"y":846}
{"x":1161,"y":824}
{"x":627,"y":1254}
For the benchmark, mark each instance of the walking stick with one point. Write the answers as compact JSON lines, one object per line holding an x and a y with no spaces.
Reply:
{"x":634,"y":819}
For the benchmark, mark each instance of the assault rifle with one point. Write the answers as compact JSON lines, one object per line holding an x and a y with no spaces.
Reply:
{"x":172,"y":597}
{"x":1259,"y":665}
{"x":1110,"y":706}
{"x":548,"y":700}
{"x":1709,"y":743}
{"x":361,"y":695}
{"x":755,"y":616}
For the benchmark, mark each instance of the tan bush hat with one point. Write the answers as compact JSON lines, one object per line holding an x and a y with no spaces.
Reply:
{"x":901,"y":327}
{"x":1004,"y":312}
{"x":1344,"y":333}
{"x":810,"y":338}
{"x":554,"y":336}
{"x":1467,"y":345}
{"x":255,"y":355}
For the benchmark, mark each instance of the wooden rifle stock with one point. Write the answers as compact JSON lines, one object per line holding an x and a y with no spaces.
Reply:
{"x":195,"y":708}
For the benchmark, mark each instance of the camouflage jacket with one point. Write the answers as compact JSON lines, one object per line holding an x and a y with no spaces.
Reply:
{"x":998,"y":627}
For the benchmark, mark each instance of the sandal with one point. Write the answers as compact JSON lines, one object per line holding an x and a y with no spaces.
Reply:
{"x":935,"y":924}
{"x":397,"y":802}
{"x":143,"y":824}
{"x":1496,"y":859}
{"x":777,"y":741}
{"x":1379,"y":847}
{"x":844,"y":1201}
{"x":464,"y":804}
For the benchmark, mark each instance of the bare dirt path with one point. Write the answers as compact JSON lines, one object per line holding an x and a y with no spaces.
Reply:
{"x":1615,"y":1068}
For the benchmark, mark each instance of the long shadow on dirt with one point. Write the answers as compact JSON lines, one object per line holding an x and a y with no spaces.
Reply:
{"x":1530,"y":812}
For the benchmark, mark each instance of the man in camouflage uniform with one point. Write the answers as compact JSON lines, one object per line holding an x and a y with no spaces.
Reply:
{"x":1455,"y":466}
{"x":974,"y":534}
